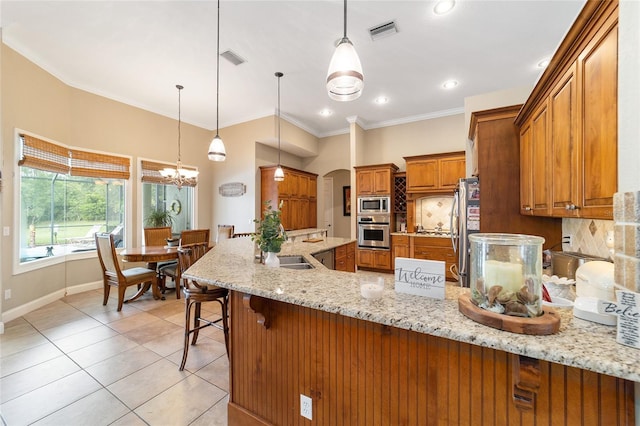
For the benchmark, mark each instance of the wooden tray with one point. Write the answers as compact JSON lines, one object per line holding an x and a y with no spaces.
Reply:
{"x":312,"y":240}
{"x":547,"y":323}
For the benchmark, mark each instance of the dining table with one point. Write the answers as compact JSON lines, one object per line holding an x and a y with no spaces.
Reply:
{"x":151,"y":255}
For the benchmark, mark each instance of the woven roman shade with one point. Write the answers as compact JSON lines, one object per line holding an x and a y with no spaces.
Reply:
{"x":43,"y":155}
{"x":51,"y":157}
{"x":91,"y":164}
{"x":151,"y":172}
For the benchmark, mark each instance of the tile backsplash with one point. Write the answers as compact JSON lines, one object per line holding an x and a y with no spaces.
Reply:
{"x":626,"y":215}
{"x":588,"y":236}
{"x":434,"y":212}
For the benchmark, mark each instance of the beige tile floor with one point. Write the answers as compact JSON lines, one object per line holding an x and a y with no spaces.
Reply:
{"x":76,"y":362}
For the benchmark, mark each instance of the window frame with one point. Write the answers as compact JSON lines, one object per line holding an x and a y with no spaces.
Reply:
{"x":21,"y":268}
{"x":139,"y":207}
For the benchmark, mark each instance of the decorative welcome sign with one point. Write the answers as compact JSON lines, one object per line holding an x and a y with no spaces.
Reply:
{"x":628,"y":312}
{"x":232,"y":189}
{"x":420,"y":277}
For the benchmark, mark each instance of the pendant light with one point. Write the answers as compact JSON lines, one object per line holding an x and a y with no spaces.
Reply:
{"x":344,"y":78}
{"x":179,"y":176}
{"x":278,"y":176}
{"x":216,"y":147}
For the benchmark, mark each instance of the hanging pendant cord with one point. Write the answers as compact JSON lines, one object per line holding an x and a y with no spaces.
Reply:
{"x":279,"y":75}
{"x":218,"y":73}
{"x":345,"y":18}
{"x":179,"y":90}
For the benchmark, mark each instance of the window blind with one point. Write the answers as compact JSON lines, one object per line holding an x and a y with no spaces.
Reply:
{"x":151,"y":172}
{"x":52,"y":157}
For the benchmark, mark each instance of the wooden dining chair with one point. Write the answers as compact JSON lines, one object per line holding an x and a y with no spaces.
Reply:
{"x":113,"y":275}
{"x":243,"y":235}
{"x":192,"y":236}
{"x":187,"y":237}
{"x":194,"y":295}
{"x":157,"y":236}
{"x":224,"y":232}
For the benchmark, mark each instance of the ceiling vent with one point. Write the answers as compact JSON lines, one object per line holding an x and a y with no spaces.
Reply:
{"x":383,"y":30}
{"x":232,"y":57}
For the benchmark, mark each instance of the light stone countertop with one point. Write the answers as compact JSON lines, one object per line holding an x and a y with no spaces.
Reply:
{"x":579,"y":343}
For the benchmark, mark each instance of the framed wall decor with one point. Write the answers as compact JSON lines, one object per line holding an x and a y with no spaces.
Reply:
{"x":346,"y":201}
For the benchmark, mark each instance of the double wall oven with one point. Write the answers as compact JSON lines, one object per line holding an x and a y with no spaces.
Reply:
{"x":374,"y":228}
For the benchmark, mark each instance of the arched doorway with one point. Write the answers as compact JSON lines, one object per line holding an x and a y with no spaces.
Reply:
{"x":335,"y":218}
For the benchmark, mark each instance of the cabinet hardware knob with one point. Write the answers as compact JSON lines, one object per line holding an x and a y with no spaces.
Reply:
{"x":527,"y":208}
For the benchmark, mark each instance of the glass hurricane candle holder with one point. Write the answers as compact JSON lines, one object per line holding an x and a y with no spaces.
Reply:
{"x":506,"y":273}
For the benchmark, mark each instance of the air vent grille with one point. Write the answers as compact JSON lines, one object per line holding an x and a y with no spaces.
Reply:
{"x":232,"y":57}
{"x":383,"y":30}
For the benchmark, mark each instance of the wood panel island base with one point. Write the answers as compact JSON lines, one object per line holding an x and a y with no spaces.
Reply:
{"x":359,"y":372}
{"x":401,"y":359}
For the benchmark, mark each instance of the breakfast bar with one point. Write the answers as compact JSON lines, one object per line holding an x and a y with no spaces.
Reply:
{"x":401,"y":359}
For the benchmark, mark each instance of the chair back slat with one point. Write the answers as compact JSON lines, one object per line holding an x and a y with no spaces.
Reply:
{"x":192,"y":236}
{"x":188,"y":255}
{"x":157,"y":236}
{"x":107,"y":253}
{"x":224,"y":232}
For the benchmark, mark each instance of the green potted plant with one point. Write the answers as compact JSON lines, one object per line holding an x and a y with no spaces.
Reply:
{"x":270,"y":234}
{"x":159,"y":218}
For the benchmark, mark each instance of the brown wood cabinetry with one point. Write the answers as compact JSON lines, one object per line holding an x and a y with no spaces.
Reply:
{"x":399,"y":248}
{"x":435,"y":173}
{"x":375,"y":180}
{"x":496,"y":155}
{"x":430,"y":248}
{"x":363,"y":373}
{"x":297,"y":192}
{"x":345,"y":258}
{"x":374,"y":259}
{"x":569,"y":123}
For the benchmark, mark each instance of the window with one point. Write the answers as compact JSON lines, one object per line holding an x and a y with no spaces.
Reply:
{"x":66,"y":196}
{"x":158,"y":195}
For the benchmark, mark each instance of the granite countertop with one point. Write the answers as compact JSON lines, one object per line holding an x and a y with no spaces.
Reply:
{"x":579,"y":343}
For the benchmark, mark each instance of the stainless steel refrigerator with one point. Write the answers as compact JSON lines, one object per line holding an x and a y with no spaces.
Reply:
{"x":465,"y":220}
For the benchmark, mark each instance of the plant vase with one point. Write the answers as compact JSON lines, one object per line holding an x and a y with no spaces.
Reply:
{"x":272,"y":260}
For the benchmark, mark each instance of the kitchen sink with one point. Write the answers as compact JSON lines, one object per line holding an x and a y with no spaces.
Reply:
{"x":297,"y":266}
{"x":294,"y":262}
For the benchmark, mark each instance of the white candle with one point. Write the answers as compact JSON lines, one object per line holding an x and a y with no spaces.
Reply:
{"x":371,"y":291}
{"x":506,"y":274}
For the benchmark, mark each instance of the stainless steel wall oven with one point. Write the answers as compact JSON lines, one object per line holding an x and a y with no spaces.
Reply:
{"x":374,"y":231}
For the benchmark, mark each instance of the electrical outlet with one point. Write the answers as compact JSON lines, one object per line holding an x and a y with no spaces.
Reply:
{"x":7,"y":294}
{"x":306,"y":407}
{"x":6,"y":231}
{"x":568,"y":239}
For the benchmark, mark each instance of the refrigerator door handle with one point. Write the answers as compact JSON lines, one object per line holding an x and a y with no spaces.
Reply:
{"x":454,"y":231}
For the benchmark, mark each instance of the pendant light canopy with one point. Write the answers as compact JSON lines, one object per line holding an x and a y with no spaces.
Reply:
{"x":278,"y":176}
{"x":179,"y":176}
{"x":345,"y":80}
{"x":216,"y":147}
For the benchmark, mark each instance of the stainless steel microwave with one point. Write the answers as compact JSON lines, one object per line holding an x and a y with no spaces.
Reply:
{"x":374,"y":205}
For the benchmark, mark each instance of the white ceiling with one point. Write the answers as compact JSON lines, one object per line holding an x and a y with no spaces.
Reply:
{"x":137,"y":51}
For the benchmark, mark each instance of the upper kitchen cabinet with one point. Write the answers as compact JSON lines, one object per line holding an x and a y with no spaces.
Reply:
{"x":570,"y":123}
{"x":375,"y":180}
{"x":434,"y":173}
{"x":297,"y":192}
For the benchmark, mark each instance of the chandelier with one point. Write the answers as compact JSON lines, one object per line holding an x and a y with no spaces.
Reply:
{"x":179,"y":176}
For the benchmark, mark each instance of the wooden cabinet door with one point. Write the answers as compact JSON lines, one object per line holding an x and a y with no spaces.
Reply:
{"x":293,"y":184}
{"x":526,"y":173}
{"x":451,"y":170}
{"x":366,"y":182}
{"x":399,"y":248}
{"x":366,"y":258}
{"x":284,"y":187}
{"x":382,"y":259}
{"x":313,"y":214}
{"x":540,"y":161}
{"x":422,"y":175}
{"x":303,"y":185}
{"x":312,"y":189}
{"x":351,"y":257}
{"x":286,"y":216}
{"x":382,"y":182}
{"x":598,"y":66}
{"x":564,"y":153}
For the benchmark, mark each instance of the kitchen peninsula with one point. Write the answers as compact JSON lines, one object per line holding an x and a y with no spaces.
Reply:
{"x":403,"y":359}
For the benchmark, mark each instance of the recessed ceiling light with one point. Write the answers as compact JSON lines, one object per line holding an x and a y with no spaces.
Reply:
{"x":444,"y":6}
{"x":543,"y":63}
{"x":449,"y":84}
{"x":381,"y":100}
{"x":326,"y":112}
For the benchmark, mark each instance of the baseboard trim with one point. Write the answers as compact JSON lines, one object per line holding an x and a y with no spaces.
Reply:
{"x":21,"y":310}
